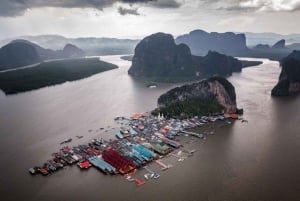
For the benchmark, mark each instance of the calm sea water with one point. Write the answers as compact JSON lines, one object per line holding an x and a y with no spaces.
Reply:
{"x":257,"y":160}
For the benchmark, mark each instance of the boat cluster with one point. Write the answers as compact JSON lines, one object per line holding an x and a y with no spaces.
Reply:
{"x":141,"y":139}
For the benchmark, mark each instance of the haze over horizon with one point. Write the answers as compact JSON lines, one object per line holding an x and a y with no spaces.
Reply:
{"x":138,"y":18}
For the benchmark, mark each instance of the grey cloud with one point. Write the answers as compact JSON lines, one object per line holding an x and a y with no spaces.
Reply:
{"x":165,"y":4}
{"x":157,"y":3}
{"x":11,"y":8}
{"x":257,"y":5}
{"x":136,"y":1}
{"x":128,"y":11}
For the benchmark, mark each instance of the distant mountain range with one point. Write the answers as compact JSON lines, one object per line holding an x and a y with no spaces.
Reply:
{"x":201,"y":42}
{"x":232,"y":44}
{"x":105,"y":46}
{"x":21,"y":52}
{"x":91,"y":45}
{"x":278,"y":45}
{"x":270,"y":38}
{"x":210,"y":41}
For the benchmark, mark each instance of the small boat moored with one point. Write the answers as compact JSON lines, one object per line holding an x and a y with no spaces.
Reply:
{"x":32,"y":171}
{"x":66,"y":141}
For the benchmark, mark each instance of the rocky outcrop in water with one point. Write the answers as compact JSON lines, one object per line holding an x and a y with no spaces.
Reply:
{"x":213,"y":95}
{"x":202,"y":42}
{"x":289,"y":79}
{"x":274,"y":52}
{"x":215,"y":63}
{"x":157,"y":57}
{"x":279,"y":45}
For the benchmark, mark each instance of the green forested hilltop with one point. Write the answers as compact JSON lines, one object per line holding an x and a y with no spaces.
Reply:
{"x":209,"y":96}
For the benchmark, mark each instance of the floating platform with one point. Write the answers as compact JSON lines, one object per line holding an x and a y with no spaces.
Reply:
{"x":102,"y":165}
{"x":164,"y":166}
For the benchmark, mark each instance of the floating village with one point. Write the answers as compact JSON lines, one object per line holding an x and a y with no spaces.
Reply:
{"x":141,"y":139}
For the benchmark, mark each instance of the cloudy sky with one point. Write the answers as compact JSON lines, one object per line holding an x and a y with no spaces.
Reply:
{"x":137,"y":18}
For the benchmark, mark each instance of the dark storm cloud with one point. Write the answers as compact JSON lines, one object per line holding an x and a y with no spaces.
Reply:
{"x":128,"y":11}
{"x":10,"y":8}
{"x":157,"y":3}
{"x":136,"y":1}
{"x":165,"y":4}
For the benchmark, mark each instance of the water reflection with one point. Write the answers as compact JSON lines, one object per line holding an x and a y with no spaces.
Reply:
{"x":254,"y":161}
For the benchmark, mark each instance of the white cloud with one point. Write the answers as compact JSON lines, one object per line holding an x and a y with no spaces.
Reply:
{"x":260,"y":5}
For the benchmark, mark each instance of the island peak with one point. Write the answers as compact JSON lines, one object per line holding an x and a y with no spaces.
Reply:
{"x":289,"y":79}
{"x":209,"y":96}
{"x":159,"y":58}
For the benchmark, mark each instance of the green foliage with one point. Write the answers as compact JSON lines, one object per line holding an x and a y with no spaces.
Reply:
{"x":189,"y":108}
{"x":51,"y":73}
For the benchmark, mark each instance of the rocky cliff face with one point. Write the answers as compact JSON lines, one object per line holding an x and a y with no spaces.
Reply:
{"x":289,"y":79}
{"x":279,"y":45}
{"x":294,"y":55}
{"x":157,"y":56}
{"x":202,"y":42}
{"x":208,"y":96}
{"x":215,"y":63}
{"x":17,"y":54}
